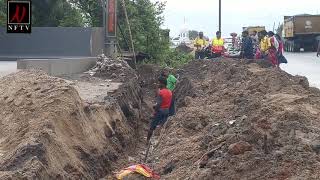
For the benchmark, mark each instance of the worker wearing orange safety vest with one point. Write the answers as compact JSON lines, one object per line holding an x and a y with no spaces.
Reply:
{"x":217,"y":45}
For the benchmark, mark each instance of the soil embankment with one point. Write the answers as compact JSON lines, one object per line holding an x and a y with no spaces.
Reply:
{"x":49,"y":131}
{"x":237,"y":120}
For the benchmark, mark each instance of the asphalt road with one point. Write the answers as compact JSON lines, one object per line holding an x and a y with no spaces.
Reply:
{"x":7,"y":67}
{"x":304,"y":64}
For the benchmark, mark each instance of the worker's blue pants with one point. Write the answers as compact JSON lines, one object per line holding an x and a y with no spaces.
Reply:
{"x":172,"y":109}
{"x":159,"y":118}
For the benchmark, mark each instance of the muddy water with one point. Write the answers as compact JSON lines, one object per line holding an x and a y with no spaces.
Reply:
{"x":304,"y":64}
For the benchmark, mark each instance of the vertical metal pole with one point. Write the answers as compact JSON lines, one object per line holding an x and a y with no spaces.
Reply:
{"x":274,"y":26}
{"x":220,"y":15}
{"x":110,"y":36}
{"x":104,"y":23}
{"x":108,"y":39}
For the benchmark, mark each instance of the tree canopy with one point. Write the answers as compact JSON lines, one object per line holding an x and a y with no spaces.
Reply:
{"x":50,"y":13}
{"x":193,"y":34}
{"x":3,"y":15}
{"x":92,"y":11}
{"x":145,"y":17}
{"x":145,"y":21}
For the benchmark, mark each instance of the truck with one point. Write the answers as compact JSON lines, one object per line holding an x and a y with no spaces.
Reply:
{"x":251,"y":29}
{"x":301,"y":32}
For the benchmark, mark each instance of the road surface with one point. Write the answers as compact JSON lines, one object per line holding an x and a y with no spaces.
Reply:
{"x":304,"y":64}
{"x":7,"y":67}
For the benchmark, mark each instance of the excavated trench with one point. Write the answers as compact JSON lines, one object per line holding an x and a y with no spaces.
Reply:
{"x":234,"y":117}
{"x":83,"y":127}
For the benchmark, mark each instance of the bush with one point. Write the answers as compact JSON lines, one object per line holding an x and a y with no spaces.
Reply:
{"x":176,"y":59}
{"x":172,"y":58}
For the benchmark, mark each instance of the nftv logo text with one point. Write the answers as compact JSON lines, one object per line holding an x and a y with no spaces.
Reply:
{"x":19,"y":17}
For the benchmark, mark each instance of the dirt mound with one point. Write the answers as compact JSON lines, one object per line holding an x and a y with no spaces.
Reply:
{"x":48,"y":132}
{"x":148,"y":75}
{"x":239,"y":121}
{"x":112,"y":68}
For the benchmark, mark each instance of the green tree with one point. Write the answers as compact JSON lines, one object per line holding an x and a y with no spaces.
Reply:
{"x":53,"y":13}
{"x":49,"y":13}
{"x":72,"y":18}
{"x":145,"y":20}
{"x":3,"y":14}
{"x":193,"y":34}
{"x":176,"y":59}
{"x":92,"y":10}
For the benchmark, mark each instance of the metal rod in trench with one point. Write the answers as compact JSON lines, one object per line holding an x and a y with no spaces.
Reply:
{"x":160,"y":139}
{"x":147,"y":151}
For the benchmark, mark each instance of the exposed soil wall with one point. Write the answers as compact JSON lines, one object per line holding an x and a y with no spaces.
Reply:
{"x":48,"y":132}
{"x":237,"y":120}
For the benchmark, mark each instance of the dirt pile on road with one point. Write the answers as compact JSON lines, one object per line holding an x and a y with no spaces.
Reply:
{"x":112,"y":68}
{"x":48,"y":132}
{"x":237,"y":120}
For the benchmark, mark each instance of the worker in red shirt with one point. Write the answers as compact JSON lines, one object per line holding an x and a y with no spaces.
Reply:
{"x":162,"y":106}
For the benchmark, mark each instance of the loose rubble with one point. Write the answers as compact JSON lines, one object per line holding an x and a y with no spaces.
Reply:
{"x":112,"y":68}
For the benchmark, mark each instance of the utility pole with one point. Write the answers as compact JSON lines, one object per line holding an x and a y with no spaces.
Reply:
{"x":104,"y":24}
{"x":109,"y":26}
{"x":220,"y":15}
{"x":274,"y":26}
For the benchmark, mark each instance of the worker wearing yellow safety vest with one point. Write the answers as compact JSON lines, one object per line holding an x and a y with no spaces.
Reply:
{"x":217,"y":45}
{"x":200,"y":43}
{"x":264,"y":44}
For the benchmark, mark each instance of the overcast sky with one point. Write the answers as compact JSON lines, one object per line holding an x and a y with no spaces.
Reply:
{"x":202,"y":15}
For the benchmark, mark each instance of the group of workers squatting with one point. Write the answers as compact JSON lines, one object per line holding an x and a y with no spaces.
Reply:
{"x":263,"y":45}
{"x":165,"y":101}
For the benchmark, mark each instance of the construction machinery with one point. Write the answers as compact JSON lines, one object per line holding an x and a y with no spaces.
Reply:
{"x":301,"y":32}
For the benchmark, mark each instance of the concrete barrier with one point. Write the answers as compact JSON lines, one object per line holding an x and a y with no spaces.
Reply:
{"x":56,"y":67}
{"x":48,"y":42}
